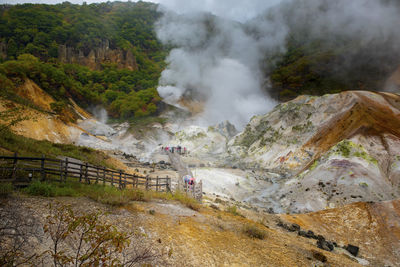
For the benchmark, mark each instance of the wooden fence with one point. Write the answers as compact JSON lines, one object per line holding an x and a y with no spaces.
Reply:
{"x":22,"y":170}
{"x":195,"y":190}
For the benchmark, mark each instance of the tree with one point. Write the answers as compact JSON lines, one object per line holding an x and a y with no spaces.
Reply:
{"x":84,"y":239}
{"x":17,"y":227}
{"x":12,"y":48}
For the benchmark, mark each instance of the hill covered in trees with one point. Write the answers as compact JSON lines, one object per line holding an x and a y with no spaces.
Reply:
{"x":95,"y":54}
{"x":334,"y":46}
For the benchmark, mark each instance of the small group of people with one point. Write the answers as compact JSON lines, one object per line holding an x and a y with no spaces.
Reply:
{"x":189,"y":180}
{"x":175,"y":149}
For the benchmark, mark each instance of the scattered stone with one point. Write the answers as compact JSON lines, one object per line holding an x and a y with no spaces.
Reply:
{"x":214,"y":207}
{"x":325,"y":245}
{"x":352,"y":249}
{"x":152,"y":212}
{"x":310,"y":234}
{"x":218,"y":200}
{"x":295,"y":227}
{"x":319,"y":256}
{"x":302,"y":233}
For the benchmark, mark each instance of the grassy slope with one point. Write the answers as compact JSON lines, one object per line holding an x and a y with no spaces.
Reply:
{"x":11,"y":142}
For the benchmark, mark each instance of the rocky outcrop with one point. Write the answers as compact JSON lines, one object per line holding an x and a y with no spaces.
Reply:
{"x":367,"y":230}
{"x":331,"y":150}
{"x":32,"y":92}
{"x":97,"y":56}
{"x":293,"y":135}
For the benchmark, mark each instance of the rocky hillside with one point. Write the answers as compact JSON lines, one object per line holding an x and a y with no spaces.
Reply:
{"x":97,"y":56}
{"x":333,"y":149}
{"x":307,"y":154}
{"x":180,"y":236}
{"x":374,"y":227}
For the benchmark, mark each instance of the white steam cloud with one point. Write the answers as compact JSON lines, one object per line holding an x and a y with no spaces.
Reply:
{"x":217,"y":60}
{"x":221,"y":46}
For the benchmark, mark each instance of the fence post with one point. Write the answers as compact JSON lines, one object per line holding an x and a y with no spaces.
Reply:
{"x":61,"y":170}
{"x":86,"y":174}
{"x":14,"y":171}
{"x":124,"y":179}
{"x":186,"y":187}
{"x":104,"y":175}
{"x":66,"y":170}
{"x":97,"y":175}
{"x":157,"y":184}
{"x":42,"y":168}
{"x":147,"y":182}
{"x":112,"y":178}
{"x":168,"y":184}
{"x":201,"y":190}
{"x":120,"y":179}
{"x":80,"y":173}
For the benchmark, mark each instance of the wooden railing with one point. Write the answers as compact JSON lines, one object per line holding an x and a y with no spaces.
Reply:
{"x":195,"y":190}
{"x":22,"y":170}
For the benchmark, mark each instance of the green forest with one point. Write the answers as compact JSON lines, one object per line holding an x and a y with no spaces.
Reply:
{"x":329,"y":64}
{"x":32,"y":34}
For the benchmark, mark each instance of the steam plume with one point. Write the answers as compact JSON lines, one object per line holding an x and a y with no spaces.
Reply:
{"x":221,"y":46}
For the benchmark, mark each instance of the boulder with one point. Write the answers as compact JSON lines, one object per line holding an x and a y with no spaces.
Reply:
{"x":353,"y":250}
{"x":310,"y":234}
{"x":325,"y":245}
{"x":319,"y":256}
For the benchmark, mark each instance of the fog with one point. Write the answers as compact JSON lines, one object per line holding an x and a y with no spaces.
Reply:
{"x":221,"y":47}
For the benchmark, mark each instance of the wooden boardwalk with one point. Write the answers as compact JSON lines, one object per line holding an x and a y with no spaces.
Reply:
{"x":22,"y":170}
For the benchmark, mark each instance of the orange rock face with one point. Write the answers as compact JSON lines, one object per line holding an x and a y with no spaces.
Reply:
{"x":374,"y":227}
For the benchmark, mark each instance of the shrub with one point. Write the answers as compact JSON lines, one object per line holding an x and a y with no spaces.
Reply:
{"x":5,"y":189}
{"x":100,"y":243}
{"x":233,"y":210}
{"x":254,"y":232}
{"x":38,"y":188}
{"x":106,"y":195}
{"x":136,"y":195}
{"x":65,"y":191}
{"x":189,"y":202}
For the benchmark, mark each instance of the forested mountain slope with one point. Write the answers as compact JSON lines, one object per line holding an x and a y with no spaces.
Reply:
{"x":95,"y":54}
